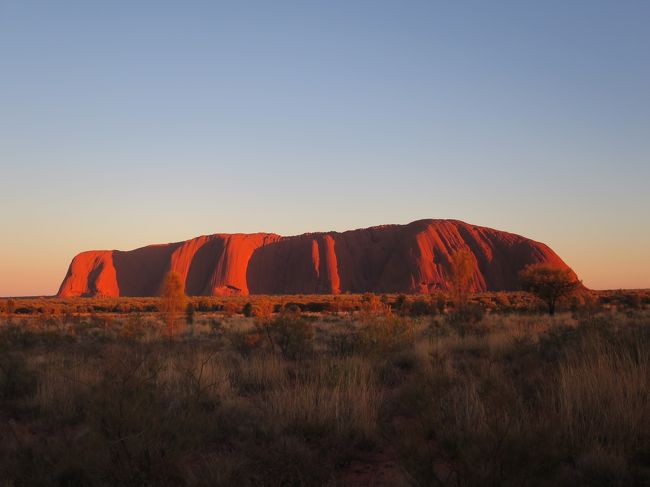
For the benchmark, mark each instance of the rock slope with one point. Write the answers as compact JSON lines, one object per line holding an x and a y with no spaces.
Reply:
{"x":412,"y":258}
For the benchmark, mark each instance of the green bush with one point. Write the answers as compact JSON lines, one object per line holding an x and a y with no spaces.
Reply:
{"x":292,"y":334}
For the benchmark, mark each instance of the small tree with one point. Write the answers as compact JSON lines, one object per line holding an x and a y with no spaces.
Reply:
{"x":460,"y":274}
{"x":172,"y":300}
{"x":549,"y":283}
{"x":189,"y":313}
{"x":10,"y":309}
{"x":11,"y":306}
{"x":262,"y":310}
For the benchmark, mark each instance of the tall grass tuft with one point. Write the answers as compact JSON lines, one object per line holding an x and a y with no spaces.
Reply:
{"x":603,"y":395}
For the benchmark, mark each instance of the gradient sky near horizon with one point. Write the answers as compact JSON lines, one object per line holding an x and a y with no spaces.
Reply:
{"x":126,"y":123}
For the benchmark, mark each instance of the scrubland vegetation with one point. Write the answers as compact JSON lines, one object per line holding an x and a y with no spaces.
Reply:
{"x":326,"y":390}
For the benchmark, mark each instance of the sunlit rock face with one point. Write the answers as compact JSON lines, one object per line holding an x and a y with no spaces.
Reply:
{"x":411,"y":258}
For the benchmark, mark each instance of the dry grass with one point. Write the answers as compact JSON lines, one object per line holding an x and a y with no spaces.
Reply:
{"x":603,"y":395}
{"x":340,"y":396}
{"x":508,"y":399}
{"x":63,"y":380}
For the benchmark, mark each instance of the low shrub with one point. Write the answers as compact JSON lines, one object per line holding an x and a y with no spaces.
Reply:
{"x":468,"y":320}
{"x":386,"y":334}
{"x":292,"y":334}
{"x":246,"y":342}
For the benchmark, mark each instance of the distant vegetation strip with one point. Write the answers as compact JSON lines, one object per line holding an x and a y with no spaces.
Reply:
{"x":323,"y":303}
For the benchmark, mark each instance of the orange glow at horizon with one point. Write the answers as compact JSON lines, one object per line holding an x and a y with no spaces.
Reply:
{"x":33,"y":270}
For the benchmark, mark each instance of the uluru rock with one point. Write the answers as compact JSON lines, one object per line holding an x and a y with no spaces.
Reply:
{"x":411,"y":258}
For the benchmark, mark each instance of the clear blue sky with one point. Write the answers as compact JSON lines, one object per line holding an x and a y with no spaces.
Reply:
{"x":124,"y":123}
